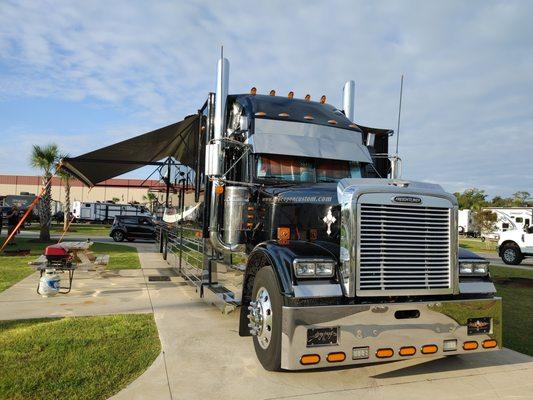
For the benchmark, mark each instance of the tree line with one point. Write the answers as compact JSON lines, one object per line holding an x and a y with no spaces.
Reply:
{"x":476,"y":199}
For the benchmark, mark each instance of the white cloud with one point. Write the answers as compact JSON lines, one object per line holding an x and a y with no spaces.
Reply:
{"x":467,"y":117}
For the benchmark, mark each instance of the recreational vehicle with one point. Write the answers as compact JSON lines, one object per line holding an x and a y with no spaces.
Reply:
{"x":105,"y":212}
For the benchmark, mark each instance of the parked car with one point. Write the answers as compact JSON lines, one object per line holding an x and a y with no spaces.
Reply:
{"x":131,"y":228}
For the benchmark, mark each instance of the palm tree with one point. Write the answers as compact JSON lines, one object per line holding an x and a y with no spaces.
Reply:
{"x":65,"y":177}
{"x":45,"y":158}
{"x":151,"y":199}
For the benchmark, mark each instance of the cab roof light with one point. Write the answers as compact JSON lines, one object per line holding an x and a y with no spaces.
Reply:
{"x":272,"y":92}
{"x":332,"y":122}
{"x":336,"y":357}
{"x":353,"y":126}
{"x":283,"y":114}
{"x":407,"y":351}
{"x":323,"y":99}
{"x":290,"y":95}
{"x":310,"y":359}
{"x":253,"y":91}
{"x":429,"y":349}
{"x":260,"y":114}
{"x":307,"y":97}
{"x":489,"y":344}
{"x":309,"y":117}
{"x":384,"y":353}
{"x":472,"y":345}
{"x":284,"y":234}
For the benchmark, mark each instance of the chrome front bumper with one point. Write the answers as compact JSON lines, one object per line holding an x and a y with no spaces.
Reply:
{"x":375,"y":326}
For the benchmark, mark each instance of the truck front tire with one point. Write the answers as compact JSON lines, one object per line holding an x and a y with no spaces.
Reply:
{"x":265,"y":317}
{"x":511,"y":254}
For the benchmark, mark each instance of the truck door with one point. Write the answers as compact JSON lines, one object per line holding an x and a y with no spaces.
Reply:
{"x":528,"y":240}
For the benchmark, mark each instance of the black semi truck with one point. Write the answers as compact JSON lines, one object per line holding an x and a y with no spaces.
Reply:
{"x":346,"y":263}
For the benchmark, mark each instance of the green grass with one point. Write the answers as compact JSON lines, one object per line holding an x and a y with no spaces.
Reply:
{"x":476,"y":245}
{"x":75,"y":229}
{"x":75,"y":358}
{"x":515,"y":286}
{"x":13,"y":269}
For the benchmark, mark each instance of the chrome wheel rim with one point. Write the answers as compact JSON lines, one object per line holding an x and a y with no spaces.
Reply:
{"x":260,"y":316}
{"x":509,"y":255}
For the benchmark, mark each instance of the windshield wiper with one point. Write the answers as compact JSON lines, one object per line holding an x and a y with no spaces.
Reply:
{"x":327,"y":180}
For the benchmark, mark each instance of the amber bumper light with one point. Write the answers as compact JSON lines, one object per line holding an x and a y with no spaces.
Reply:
{"x":384,"y":353}
{"x":336,"y":357}
{"x":470,"y":345}
{"x":407,"y":351}
{"x":489,"y":344}
{"x":429,"y":349}
{"x":310,"y":359}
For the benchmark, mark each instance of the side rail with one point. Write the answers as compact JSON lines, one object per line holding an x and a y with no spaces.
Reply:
{"x":183,"y":247}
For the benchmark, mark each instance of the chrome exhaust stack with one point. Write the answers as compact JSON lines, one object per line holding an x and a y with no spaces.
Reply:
{"x":214,"y":157}
{"x":348,"y":100}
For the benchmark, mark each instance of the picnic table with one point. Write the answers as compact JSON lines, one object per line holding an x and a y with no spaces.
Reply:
{"x":81,"y":256}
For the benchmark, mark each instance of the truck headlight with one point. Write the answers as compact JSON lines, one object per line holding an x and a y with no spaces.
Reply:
{"x":314,"y":269}
{"x":325,"y":269}
{"x":466,"y":268}
{"x":469,"y":268}
{"x":304,"y":269}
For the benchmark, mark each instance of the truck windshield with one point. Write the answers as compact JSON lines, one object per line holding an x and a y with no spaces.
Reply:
{"x":302,"y":169}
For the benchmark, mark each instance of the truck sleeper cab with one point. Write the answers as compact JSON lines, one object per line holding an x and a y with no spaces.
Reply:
{"x":344,"y":265}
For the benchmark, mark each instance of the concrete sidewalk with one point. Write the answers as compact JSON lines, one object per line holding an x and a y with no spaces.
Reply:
{"x":206,"y":359}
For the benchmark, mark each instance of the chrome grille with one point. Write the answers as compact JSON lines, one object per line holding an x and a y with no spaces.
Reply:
{"x":404,"y":247}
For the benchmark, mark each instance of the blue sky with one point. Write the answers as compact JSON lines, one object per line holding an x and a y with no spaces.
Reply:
{"x":87,"y":74}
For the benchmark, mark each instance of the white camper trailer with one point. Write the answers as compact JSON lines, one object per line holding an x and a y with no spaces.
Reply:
{"x":466,"y":225}
{"x":105,"y":212}
{"x":512,"y":218}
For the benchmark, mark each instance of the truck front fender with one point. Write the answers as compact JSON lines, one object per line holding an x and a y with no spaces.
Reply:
{"x":280,"y":257}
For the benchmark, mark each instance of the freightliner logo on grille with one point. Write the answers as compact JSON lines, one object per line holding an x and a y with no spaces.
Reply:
{"x":407,"y":199}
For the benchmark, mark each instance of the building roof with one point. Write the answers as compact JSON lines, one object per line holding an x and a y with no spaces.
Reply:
{"x":36,"y":180}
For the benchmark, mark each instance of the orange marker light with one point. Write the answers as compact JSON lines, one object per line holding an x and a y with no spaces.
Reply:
{"x":310,"y":359}
{"x":283,"y":114}
{"x":322,"y":99}
{"x":353,"y":126}
{"x":284,"y":234}
{"x":384,"y":353}
{"x":308,"y":117}
{"x":470,"y":345}
{"x":332,"y":122}
{"x":290,"y":95}
{"x":336,"y":357}
{"x":260,"y":114}
{"x":219,"y":189}
{"x":272,"y":92}
{"x":489,"y":343}
{"x":407,"y":351}
{"x":253,"y":91}
{"x":307,"y":97}
{"x":429,"y":349}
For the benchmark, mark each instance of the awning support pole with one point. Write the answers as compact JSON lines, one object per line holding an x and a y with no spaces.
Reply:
{"x":168,"y":182}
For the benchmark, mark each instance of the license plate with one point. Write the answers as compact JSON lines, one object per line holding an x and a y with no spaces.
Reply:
{"x":322,"y":336}
{"x":478,"y":325}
